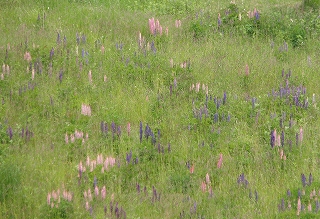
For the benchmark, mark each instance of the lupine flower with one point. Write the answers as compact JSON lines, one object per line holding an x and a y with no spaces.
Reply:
{"x":85,"y":110}
{"x":51,"y":53}
{"x":303,"y":180}
{"x":103,"y":192}
{"x":49,"y":198}
{"x":203,"y":186}
{"x":141,"y":131}
{"x":9,"y":131}
{"x":310,"y":179}
{"x":219,"y":20}
{"x":247,"y":70}
{"x":90,"y":76}
{"x":282,"y":138}
{"x":27,"y":57}
{"x":299,"y":206}
{"x":95,"y":182}
{"x":219,"y":164}
{"x":60,"y":75}
{"x":256,"y":14}
{"x":192,"y":169}
{"x":208,"y":179}
{"x":58,"y":38}
{"x":272,"y":138}
{"x":300,"y":134}
{"x":128,"y":157}
{"x":96,"y":191}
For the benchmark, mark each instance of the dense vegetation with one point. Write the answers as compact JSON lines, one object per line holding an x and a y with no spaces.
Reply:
{"x":159,"y":109}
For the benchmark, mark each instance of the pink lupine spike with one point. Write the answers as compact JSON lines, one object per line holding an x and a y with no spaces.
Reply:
{"x":219,"y":164}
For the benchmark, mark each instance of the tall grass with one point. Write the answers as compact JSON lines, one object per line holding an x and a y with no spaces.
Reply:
{"x":102,"y":117}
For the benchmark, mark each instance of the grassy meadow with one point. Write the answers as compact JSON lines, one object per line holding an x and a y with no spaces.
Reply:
{"x":159,"y":109}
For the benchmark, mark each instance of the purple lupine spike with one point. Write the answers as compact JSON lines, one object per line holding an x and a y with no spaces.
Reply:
{"x":299,"y":193}
{"x":113,"y":128}
{"x":282,"y":138}
{"x":310,"y":179}
{"x":60,"y":75}
{"x":153,"y":139}
{"x":224,"y":100}
{"x":153,"y":48}
{"x":272,"y":138}
{"x":289,"y":193}
{"x":141,"y":132}
{"x":83,"y":39}
{"x":128,"y":157}
{"x":240,"y":178}
{"x":58,"y":38}
{"x":95,"y":182}
{"x":303,"y":180}
{"x":188,"y":164}
{"x":138,"y":188}
{"x":64,"y":40}
{"x":282,"y":206}
{"x":83,"y":53}
{"x":147,"y":132}
{"x":290,"y":144}
{"x":105,"y":210}
{"x":253,"y":101}
{"x":102,"y":126}
{"x":216,"y":117}
{"x":218,"y":104}
{"x":159,"y":147}
{"x":169,"y":147}
{"x":77,"y":38}
{"x":9,"y":132}
{"x":51,"y":53}
{"x":256,"y":14}
{"x":170,"y":89}
{"x":111,"y":207}
{"x":119,"y":131}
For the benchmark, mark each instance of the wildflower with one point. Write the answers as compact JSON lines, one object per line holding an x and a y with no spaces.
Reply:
{"x":60,"y":75}
{"x":141,"y":132}
{"x":203,"y":186}
{"x":247,"y":69}
{"x":192,"y":168}
{"x":103,"y":192}
{"x":90,"y":76}
{"x":96,"y":191}
{"x":300,"y":134}
{"x":27,"y":57}
{"x":152,"y":26}
{"x":272,"y":138}
{"x":9,"y":131}
{"x":207,"y":179}
{"x":299,"y":206}
{"x":220,"y":161}
{"x":49,"y":198}
{"x":303,"y":180}
{"x":219,"y":20}
{"x":256,"y":14}
{"x":310,"y":179}
{"x":51,"y":53}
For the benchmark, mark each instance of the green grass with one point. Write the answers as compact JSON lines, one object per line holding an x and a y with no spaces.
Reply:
{"x":37,"y":112}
